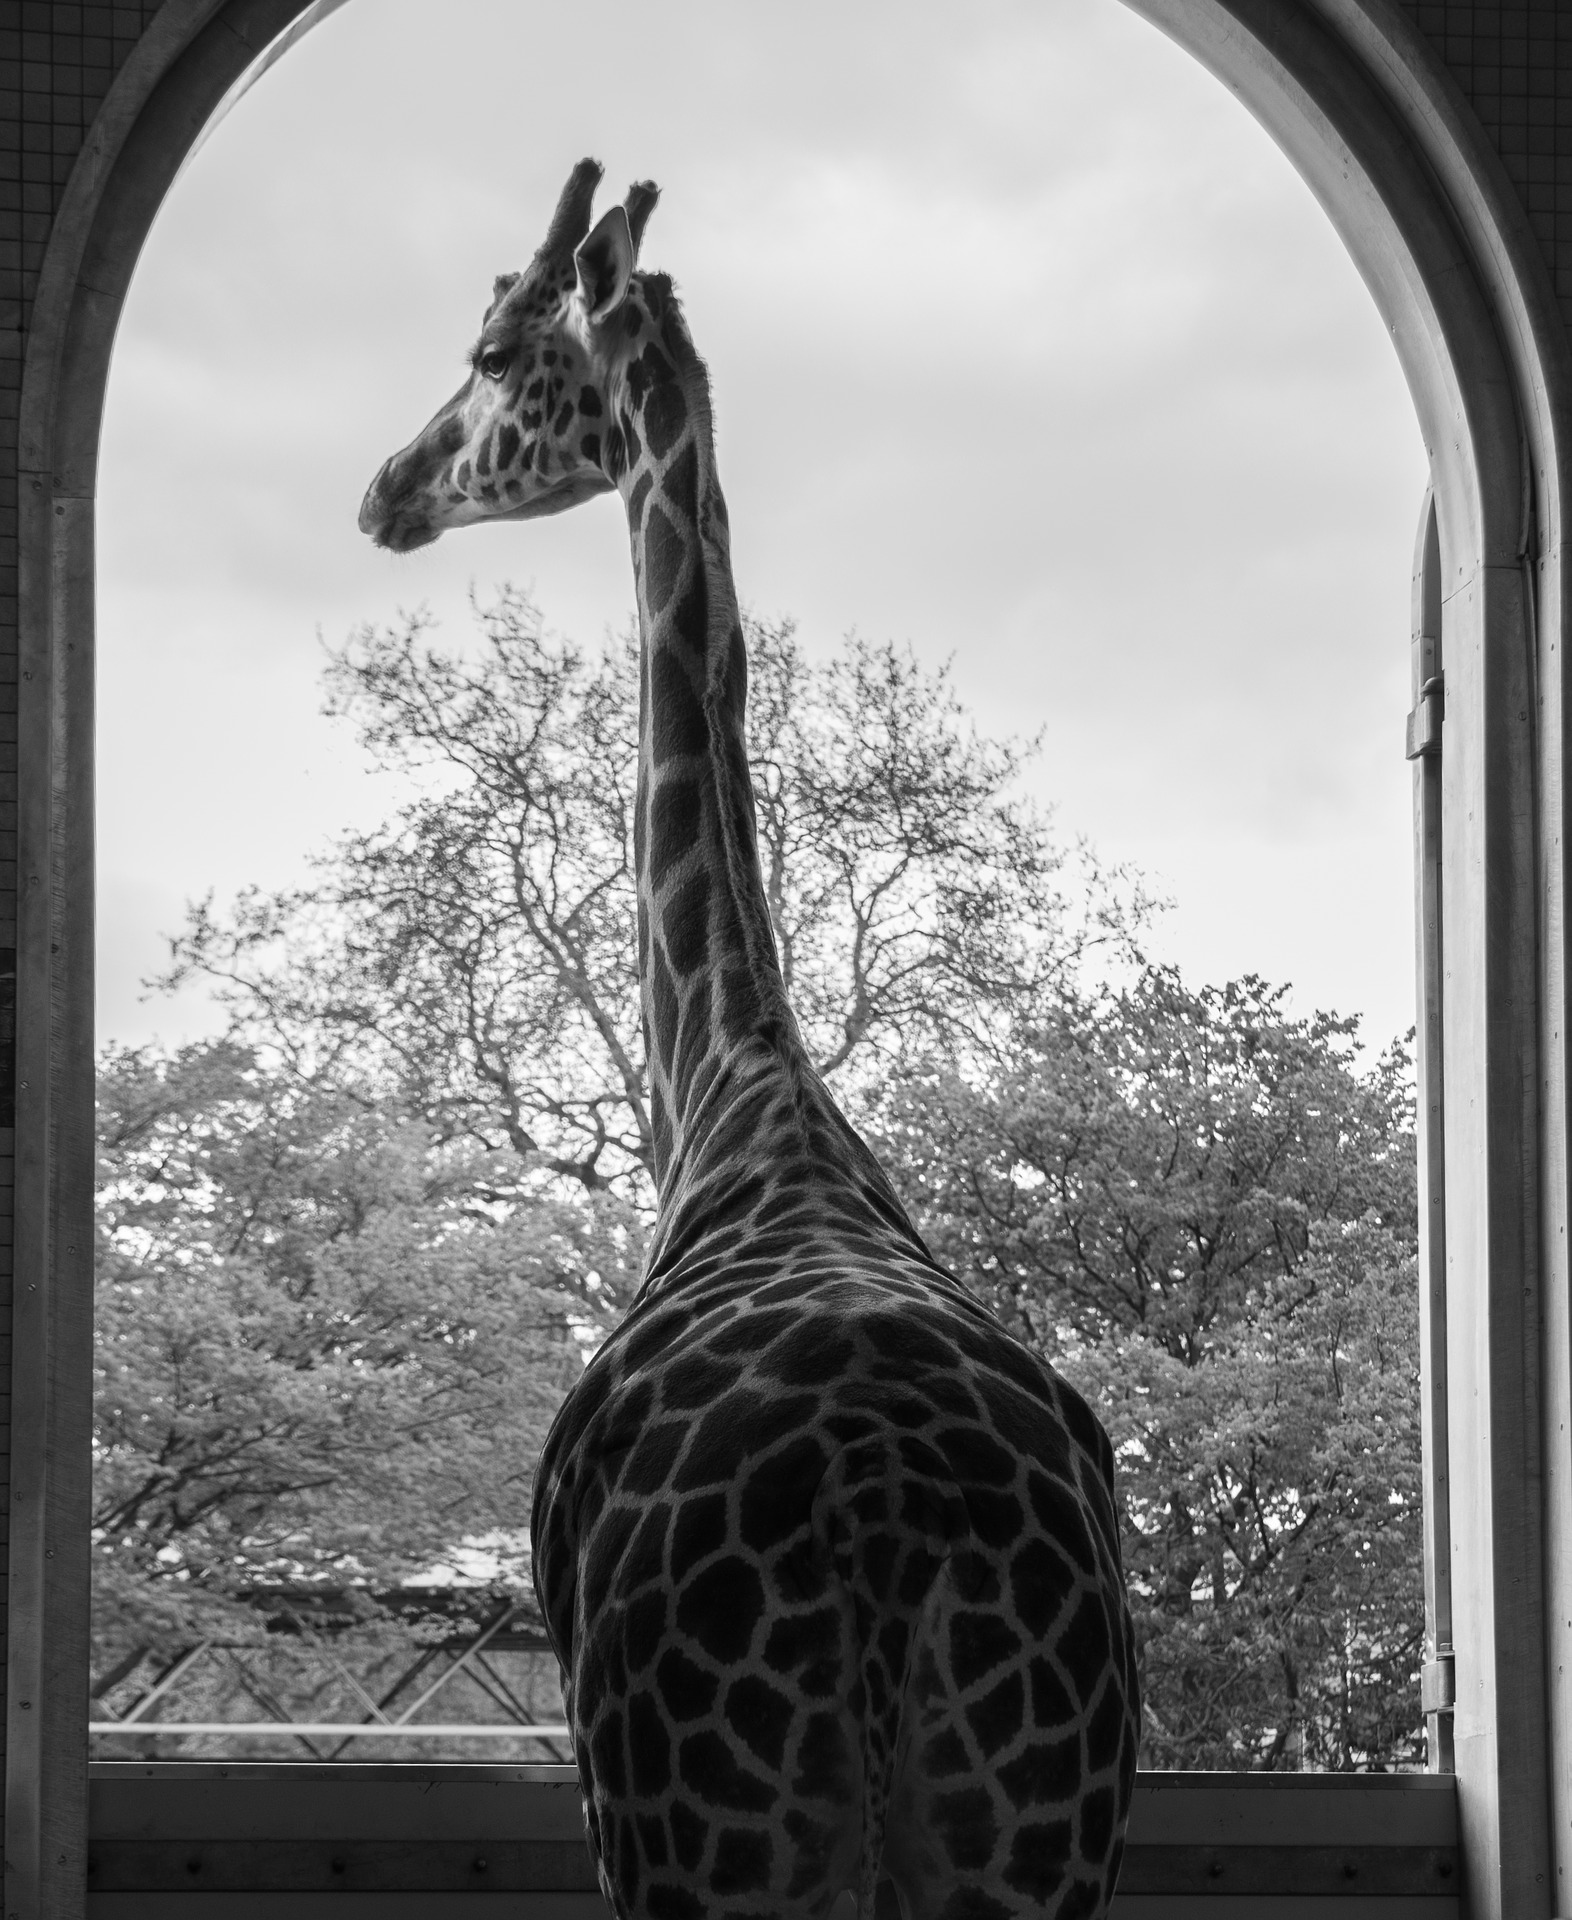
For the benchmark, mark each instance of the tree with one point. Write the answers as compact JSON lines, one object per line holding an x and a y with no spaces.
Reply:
{"x":918,"y":907}
{"x":323,"y":1348}
{"x":403,"y":1180}
{"x":1272,"y":1502}
{"x":476,"y":954}
{"x":1141,"y":1158}
{"x":431,"y":1107}
{"x":1202,"y":1211}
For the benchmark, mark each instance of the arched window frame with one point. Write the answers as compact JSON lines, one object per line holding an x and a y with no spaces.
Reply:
{"x":1361,"y":103}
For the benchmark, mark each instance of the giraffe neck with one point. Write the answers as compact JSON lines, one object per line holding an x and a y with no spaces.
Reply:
{"x":714,"y":1003}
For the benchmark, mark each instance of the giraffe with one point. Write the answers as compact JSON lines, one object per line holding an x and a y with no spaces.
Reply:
{"x":830,"y":1561}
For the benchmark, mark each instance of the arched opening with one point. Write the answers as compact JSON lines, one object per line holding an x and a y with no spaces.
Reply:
{"x":1162,"y":520}
{"x":1453,"y":301}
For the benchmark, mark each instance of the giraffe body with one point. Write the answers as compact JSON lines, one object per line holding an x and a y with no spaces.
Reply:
{"x":830,"y":1560}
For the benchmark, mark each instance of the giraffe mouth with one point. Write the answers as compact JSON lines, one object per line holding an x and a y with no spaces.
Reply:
{"x":393,"y":526}
{"x":404,"y":536}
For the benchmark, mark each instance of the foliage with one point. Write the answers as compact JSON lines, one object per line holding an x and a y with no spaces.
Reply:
{"x":322,"y":1347}
{"x":1272,"y":1507}
{"x":351,"y":1253}
{"x":1203,"y":1212}
{"x":1141,"y":1158}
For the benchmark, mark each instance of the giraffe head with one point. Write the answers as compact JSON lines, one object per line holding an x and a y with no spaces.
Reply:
{"x":524,"y":435}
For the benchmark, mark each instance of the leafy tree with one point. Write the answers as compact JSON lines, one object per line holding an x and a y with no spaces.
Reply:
{"x":1203,"y":1212}
{"x":1272,"y":1500}
{"x":1141,"y":1158}
{"x":323,"y":1349}
{"x":350,"y":1252}
{"x":413,"y":1179}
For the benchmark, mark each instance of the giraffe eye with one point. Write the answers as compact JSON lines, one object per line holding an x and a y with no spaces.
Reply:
{"x":493,"y":363}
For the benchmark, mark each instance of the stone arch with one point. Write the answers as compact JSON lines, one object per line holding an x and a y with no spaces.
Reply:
{"x":1360,"y":101}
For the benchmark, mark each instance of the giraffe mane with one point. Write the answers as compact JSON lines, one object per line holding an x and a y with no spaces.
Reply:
{"x":692,"y":373}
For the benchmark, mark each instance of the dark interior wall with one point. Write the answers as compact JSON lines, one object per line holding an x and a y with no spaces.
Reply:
{"x":1513,"y":64}
{"x":56,"y":65}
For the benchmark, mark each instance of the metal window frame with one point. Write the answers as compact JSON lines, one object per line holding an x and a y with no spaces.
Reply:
{"x":1424,"y":747}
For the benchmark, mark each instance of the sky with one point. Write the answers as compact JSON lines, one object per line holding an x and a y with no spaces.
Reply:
{"x":1029,"y":349}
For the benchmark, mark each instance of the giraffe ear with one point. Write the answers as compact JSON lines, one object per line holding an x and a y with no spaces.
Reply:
{"x":605,"y":264}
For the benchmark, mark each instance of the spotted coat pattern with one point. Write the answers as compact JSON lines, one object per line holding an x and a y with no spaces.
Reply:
{"x":830,"y":1560}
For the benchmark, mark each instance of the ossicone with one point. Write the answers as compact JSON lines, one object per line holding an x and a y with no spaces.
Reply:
{"x":640,"y":204}
{"x":571,"y":222}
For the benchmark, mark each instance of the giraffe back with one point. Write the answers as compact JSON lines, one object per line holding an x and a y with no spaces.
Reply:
{"x":832,"y":1566}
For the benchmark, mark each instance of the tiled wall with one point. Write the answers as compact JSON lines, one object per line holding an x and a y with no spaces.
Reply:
{"x":1514,"y":63}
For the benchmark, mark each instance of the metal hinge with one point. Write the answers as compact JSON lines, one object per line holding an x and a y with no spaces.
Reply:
{"x":1438,"y":1679}
{"x":1424,"y":723}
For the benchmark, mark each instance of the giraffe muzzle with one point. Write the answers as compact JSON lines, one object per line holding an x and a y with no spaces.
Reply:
{"x":399,"y":526}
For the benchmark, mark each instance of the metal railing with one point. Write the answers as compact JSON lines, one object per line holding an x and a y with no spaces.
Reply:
{"x":390,"y":1712}
{"x":345,"y":1730}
